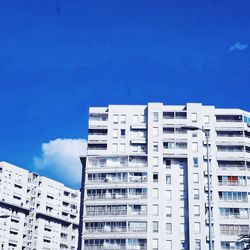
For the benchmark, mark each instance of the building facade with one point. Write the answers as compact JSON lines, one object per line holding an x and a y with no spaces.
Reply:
{"x":145,"y":179}
{"x":36,"y":212}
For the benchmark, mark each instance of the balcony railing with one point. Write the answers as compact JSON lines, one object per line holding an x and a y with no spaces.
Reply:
{"x":117,"y":179}
{"x":121,"y":165}
{"x":107,"y":229}
{"x":234,"y":216}
{"x":116,"y":212}
{"x":232,"y":167}
{"x":116,"y":196}
{"x":233,"y":200}
{"x":114,"y":247}
{"x":227,"y":232}
{"x":232,"y":183}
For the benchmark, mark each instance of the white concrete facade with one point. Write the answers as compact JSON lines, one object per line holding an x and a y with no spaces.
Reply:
{"x":37,"y":212}
{"x":145,"y":178}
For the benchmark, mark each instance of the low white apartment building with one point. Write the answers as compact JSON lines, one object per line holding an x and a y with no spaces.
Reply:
{"x":36,"y":212}
{"x":145,"y":177}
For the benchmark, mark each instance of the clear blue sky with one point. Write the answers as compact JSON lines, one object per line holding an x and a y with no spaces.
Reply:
{"x":59,"y":57}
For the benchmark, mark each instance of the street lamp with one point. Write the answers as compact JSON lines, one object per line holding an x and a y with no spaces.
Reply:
{"x":193,"y":128}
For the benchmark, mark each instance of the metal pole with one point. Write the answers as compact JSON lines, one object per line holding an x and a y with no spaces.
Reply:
{"x":209,"y":193}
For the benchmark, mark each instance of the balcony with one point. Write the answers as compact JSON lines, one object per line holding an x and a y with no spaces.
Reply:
{"x":139,"y":126}
{"x":227,"y":120}
{"x":114,"y":247}
{"x":231,"y":167}
{"x":95,"y":149}
{"x":232,"y":183}
{"x":114,"y":180}
{"x":105,"y":229}
{"x":234,"y":216}
{"x":243,"y":200}
{"x":109,"y":229}
{"x":97,"y":138}
{"x":142,"y":140}
{"x":116,"y":196}
{"x":175,"y":117}
{"x":98,"y":117}
{"x":116,"y":212}
{"x":105,"y":247}
{"x":236,"y":232}
{"x":107,"y":180}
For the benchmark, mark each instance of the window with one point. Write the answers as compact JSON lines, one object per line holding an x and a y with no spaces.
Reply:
{"x":123,"y":119}
{"x":194,"y":117}
{"x":115,"y":133}
{"x":197,"y":244}
{"x":155,"y":244}
{"x":168,"y":211}
{"x":168,"y":195}
{"x":167,"y":163}
{"x":195,"y":146}
{"x":155,"y":132}
{"x":182,"y":228}
{"x":155,"y":161}
{"x":155,"y":193}
{"x":168,"y":245}
{"x":155,"y":146}
{"x":169,"y":228}
{"x":206,"y":119}
{"x":196,"y":210}
{"x":195,"y":161}
{"x":155,"y":177}
{"x":115,"y":119}
{"x":195,"y":178}
{"x":115,"y":148}
{"x":123,"y":133}
{"x":122,"y":148}
{"x":197,"y":227}
{"x":155,"y":116}
{"x":196,"y":194}
{"x":155,"y":226}
{"x":155,"y":210}
{"x":135,"y":119}
{"x":168,"y":179}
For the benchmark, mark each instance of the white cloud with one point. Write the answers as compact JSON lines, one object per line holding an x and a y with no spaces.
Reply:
{"x":62,"y":155}
{"x":238,"y":46}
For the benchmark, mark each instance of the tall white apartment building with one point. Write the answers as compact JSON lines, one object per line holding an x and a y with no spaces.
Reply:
{"x":36,"y":212}
{"x":145,"y":178}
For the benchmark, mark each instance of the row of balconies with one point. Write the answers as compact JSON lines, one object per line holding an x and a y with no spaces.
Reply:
{"x":110,"y":179}
{"x":117,"y":212}
{"x":235,"y":216}
{"x":124,"y":165}
{"x":116,"y":196}
{"x":115,"y":230}
{"x":232,"y":183}
{"x":114,"y":247}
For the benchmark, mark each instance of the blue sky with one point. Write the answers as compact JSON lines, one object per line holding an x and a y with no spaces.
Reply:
{"x":58,"y":57}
